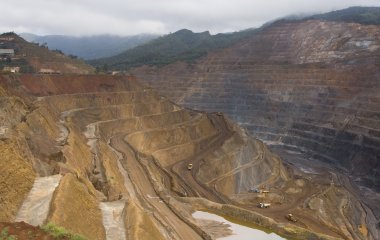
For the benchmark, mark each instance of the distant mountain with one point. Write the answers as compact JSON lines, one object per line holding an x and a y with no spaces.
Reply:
{"x":183,"y":45}
{"x":90,"y":47}
{"x":362,"y":15}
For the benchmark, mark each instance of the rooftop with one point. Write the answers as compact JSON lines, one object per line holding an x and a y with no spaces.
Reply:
{"x":7,"y":51}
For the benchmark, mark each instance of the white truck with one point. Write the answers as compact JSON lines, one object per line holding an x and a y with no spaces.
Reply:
{"x":264,"y":205}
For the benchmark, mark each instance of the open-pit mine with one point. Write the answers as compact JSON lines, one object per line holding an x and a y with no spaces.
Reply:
{"x":109,"y":158}
{"x":310,"y":91}
{"x":279,"y":133}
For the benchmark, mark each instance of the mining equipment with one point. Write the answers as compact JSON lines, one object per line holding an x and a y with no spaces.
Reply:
{"x":254,"y":190}
{"x":264,"y":205}
{"x":291,"y":218}
{"x":189,"y":166}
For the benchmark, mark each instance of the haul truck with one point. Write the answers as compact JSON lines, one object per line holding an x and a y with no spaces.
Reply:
{"x":264,"y":205}
{"x":189,"y":166}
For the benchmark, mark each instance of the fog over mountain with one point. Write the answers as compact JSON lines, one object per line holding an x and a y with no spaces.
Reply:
{"x":127,"y":17}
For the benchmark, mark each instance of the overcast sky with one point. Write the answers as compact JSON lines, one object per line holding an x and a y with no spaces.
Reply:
{"x":127,"y":17}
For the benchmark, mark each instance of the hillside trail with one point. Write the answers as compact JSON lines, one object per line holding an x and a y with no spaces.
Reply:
{"x":36,"y":206}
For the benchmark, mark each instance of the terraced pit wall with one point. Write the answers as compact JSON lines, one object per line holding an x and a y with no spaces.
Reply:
{"x":119,"y":147}
{"x":308,"y":86}
{"x":85,"y":128}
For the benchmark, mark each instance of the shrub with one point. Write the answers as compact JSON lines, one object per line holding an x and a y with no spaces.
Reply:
{"x":4,"y":235}
{"x":60,"y":232}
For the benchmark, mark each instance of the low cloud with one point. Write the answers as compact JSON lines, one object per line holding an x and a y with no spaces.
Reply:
{"x":127,"y":17}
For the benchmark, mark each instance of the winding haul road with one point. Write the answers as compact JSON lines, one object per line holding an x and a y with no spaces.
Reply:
{"x":147,"y":195}
{"x":187,"y":178}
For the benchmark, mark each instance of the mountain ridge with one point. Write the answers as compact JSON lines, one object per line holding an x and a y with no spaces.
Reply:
{"x":182,"y":45}
{"x":192,"y":46}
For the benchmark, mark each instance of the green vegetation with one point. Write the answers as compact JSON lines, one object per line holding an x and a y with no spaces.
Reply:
{"x":362,"y":15}
{"x":183,"y":45}
{"x":4,"y":235}
{"x":60,"y":232}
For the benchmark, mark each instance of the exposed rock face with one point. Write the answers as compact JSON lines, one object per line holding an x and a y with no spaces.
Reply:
{"x":17,"y":175}
{"x":244,"y":166}
{"x":140,"y":224}
{"x":308,"y":86}
{"x":16,"y":180}
{"x":115,"y":141}
{"x":74,"y":208}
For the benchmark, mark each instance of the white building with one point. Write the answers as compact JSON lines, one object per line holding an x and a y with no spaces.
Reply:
{"x":7,"y":52}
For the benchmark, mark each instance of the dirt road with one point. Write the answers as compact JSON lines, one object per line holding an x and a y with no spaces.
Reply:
{"x":176,"y":228}
{"x":187,"y":178}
